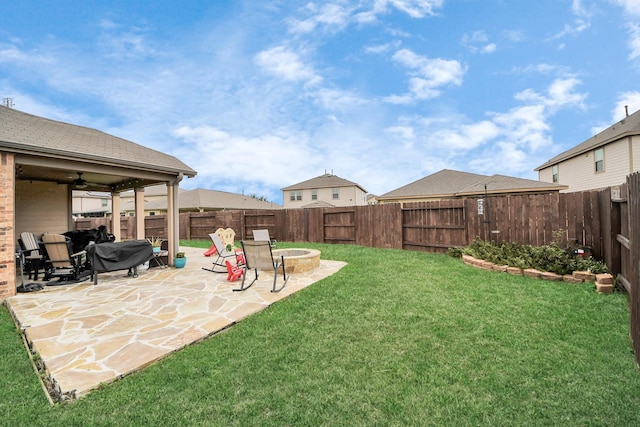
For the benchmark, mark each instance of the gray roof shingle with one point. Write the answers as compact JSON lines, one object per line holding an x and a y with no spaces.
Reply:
{"x":25,"y":133}
{"x":451,"y":183}
{"x":628,"y":126}
{"x":200,"y":198}
{"x":323,"y":181}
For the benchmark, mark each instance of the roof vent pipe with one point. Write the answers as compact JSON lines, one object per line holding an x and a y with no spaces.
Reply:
{"x":626,"y":110}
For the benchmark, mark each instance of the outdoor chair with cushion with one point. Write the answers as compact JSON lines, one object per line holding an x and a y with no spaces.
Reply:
{"x":222,"y":254}
{"x":33,"y":258}
{"x":263,"y":236}
{"x":61,"y":262}
{"x":258,"y":255}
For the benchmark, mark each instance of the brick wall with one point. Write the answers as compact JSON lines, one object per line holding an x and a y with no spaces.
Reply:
{"x":7,"y":237}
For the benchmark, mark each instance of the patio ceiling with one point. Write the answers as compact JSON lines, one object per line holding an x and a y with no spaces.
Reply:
{"x":98,"y":177}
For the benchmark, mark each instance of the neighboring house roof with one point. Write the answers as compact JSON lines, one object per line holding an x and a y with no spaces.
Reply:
{"x":628,"y":126}
{"x":209,"y":200}
{"x":451,"y":183}
{"x":152,"y":190}
{"x":319,"y":204}
{"x":106,"y":209}
{"x":214,"y":199}
{"x":28,"y":134}
{"x":323,"y":181}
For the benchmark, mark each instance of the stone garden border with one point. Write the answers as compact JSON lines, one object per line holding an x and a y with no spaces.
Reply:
{"x":603,"y":282}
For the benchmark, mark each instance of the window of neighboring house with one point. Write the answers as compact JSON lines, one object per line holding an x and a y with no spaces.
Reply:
{"x":598,"y":157}
{"x":295,"y":195}
{"x":152,"y":213}
{"x":554,"y":172}
{"x":132,"y":214}
{"x":104,"y":203}
{"x":314,"y":194}
{"x":336,"y":193}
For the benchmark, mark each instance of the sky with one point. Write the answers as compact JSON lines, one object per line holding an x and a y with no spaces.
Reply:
{"x":256,"y":96}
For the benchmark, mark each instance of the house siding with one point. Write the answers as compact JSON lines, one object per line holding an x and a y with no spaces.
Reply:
{"x":82,"y":202}
{"x":546,"y":174}
{"x":635,"y":152}
{"x":579,"y":174}
{"x":349,"y":196}
{"x":43,"y":206}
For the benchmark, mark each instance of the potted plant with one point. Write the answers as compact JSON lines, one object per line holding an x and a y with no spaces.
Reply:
{"x":156,"y":243}
{"x":180,"y":260}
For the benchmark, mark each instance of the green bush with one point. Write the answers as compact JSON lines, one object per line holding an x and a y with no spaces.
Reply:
{"x":455,"y":252}
{"x":551,"y":258}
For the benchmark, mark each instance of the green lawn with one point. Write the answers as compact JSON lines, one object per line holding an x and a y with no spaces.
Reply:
{"x":394,"y":338}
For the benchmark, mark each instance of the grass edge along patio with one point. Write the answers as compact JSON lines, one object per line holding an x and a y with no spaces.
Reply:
{"x":394,"y":338}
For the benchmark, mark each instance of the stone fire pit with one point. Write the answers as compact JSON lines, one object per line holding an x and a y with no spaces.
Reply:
{"x":299,"y":260}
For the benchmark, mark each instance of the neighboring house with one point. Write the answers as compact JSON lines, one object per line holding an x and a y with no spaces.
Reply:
{"x":326,"y":190}
{"x":197,"y":200}
{"x":86,"y":204}
{"x":42,"y":161}
{"x":601,"y":161}
{"x":152,"y":194}
{"x":450,"y":184}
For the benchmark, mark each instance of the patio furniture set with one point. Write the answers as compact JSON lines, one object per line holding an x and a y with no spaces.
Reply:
{"x":253,"y":255}
{"x":77,"y":255}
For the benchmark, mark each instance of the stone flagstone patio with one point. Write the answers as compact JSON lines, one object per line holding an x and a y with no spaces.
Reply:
{"x":87,"y":335}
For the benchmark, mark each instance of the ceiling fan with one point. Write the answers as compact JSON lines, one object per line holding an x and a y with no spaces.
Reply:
{"x":79,"y":182}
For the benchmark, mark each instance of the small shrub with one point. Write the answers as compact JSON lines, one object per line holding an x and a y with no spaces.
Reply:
{"x":455,"y":252}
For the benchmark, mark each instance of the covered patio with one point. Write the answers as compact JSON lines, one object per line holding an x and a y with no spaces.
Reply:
{"x":42,"y":161}
{"x":88,"y":335}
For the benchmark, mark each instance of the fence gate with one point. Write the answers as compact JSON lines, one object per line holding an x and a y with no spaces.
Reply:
{"x":340,"y":226}
{"x":434,"y":226}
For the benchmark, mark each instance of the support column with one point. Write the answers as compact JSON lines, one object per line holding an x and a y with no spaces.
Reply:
{"x":115,"y":216}
{"x":173,"y":217}
{"x":171,"y":223}
{"x":139,"y":208}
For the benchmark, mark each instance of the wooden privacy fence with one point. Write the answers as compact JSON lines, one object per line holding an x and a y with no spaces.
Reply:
{"x":426,"y":226}
{"x":628,"y":210}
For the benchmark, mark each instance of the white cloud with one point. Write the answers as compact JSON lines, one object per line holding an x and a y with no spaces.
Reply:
{"x":428,"y":76}
{"x":338,"y":100}
{"x":464,"y":137}
{"x":634,"y":41}
{"x":559,"y":94}
{"x":220,"y":156}
{"x":282,"y":62}
{"x":124,"y":43}
{"x":582,"y":21}
{"x":478,"y":42}
{"x":382,"y":48}
{"x":330,"y":15}
{"x":335,"y":16}
{"x":632,"y":7}
{"x":542,"y":68}
{"x":629,"y":99}
{"x":414,"y":8}
{"x":12,"y":54}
